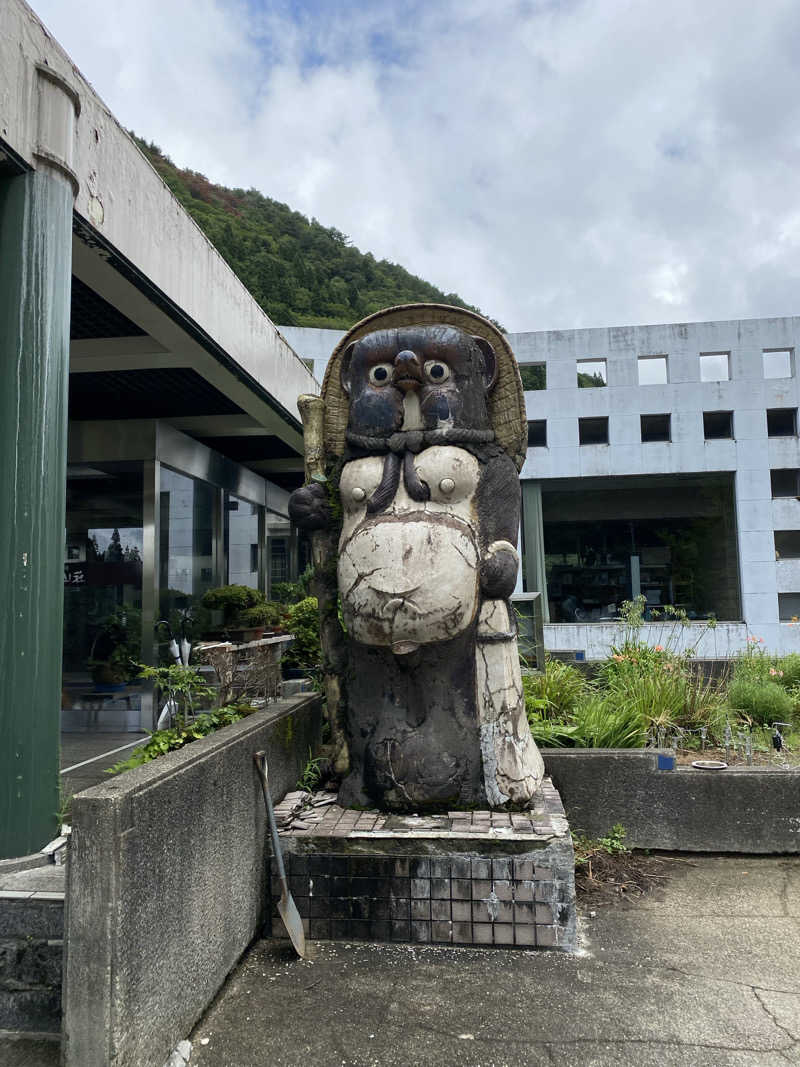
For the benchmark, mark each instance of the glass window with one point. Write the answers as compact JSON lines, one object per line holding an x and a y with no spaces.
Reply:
{"x":777,"y":362}
{"x":672,"y":542}
{"x":278,"y":560}
{"x":652,"y":370}
{"x":715,"y":367}
{"x":241,"y":541}
{"x":592,"y":373}
{"x":102,"y":597}
{"x":187,"y":563}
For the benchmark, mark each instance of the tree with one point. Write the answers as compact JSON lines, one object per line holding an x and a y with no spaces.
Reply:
{"x":299,"y":271}
{"x":114,"y":550}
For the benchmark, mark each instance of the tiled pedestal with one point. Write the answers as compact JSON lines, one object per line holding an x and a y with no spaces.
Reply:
{"x":465,"y":878}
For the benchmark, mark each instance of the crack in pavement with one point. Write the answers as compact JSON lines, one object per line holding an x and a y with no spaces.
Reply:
{"x":716,"y":978}
{"x":554,"y":1043}
{"x":771,"y":1016}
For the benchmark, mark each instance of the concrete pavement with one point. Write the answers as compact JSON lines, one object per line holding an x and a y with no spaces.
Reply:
{"x":705,"y":971}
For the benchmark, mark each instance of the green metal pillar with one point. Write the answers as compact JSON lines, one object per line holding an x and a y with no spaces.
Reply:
{"x":35,"y":271}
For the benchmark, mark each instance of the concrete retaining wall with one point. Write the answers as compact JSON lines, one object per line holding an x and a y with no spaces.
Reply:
{"x":166,"y":884}
{"x":747,"y":809}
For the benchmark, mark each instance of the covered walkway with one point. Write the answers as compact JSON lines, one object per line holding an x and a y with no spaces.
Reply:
{"x":139,"y":374}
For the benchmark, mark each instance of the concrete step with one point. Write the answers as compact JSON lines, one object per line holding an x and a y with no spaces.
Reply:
{"x":31,"y":950}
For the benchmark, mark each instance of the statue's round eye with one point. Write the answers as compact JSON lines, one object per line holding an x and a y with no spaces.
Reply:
{"x":380,"y":374}
{"x":436,"y":371}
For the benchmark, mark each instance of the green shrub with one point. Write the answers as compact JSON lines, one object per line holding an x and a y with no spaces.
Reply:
{"x":602,"y":722}
{"x":266,"y":614}
{"x":232,"y":600}
{"x":302,"y":621}
{"x":560,"y":685}
{"x":293,"y":592}
{"x":789,"y":666}
{"x":550,"y":734}
{"x":763,"y":702}
{"x":163,"y":741}
{"x":287,"y":592}
{"x":586,"y":848}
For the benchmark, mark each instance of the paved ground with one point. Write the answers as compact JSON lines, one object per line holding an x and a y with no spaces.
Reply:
{"x":77,"y":748}
{"x":708,"y":974}
{"x":705,"y":972}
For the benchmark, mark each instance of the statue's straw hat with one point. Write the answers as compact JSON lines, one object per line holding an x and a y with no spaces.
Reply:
{"x":506,"y":400}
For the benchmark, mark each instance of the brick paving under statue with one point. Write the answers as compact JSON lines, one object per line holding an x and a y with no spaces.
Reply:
{"x":464,"y":878}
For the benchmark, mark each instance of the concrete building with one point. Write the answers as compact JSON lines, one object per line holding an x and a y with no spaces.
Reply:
{"x":663,"y":461}
{"x":137,"y":373}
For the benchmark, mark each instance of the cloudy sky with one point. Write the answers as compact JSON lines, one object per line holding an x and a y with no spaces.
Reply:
{"x":558,"y":164}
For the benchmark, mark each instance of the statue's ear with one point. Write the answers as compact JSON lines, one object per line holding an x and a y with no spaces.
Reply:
{"x":489,"y":362}
{"x":344,"y":373}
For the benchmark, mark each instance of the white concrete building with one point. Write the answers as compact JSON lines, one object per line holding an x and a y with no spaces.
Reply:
{"x":679,"y":478}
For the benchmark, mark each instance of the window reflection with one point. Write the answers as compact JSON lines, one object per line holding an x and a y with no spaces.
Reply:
{"x":102,"y":597}
{"x":241,"y":541}
{"x":186,"y":551}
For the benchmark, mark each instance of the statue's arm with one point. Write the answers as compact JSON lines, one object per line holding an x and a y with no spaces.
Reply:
{"x":309,"y":507}
{"x":498,"y":516}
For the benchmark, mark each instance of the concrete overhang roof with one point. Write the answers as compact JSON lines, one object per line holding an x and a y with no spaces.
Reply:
{"x":137,"y":249}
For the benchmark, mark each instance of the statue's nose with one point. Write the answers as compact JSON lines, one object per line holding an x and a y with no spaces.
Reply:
{"x":407,"y":371}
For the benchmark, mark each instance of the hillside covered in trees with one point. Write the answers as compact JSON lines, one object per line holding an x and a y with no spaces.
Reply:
{"x":300,"y":272}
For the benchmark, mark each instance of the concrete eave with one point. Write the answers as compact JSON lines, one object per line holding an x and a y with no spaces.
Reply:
{"x":136,"y":238}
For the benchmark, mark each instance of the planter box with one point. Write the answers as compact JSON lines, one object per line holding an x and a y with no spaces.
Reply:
{"x":740,"y":809}
{"x":166,"y":885}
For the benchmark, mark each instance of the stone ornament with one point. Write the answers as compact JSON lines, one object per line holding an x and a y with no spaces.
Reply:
{"x":412,"y":462}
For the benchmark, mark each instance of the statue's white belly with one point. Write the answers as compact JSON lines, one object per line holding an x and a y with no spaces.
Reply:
{"x":410,"y":575}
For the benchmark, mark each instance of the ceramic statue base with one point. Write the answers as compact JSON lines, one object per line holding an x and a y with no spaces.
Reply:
{"x":469,"y":878}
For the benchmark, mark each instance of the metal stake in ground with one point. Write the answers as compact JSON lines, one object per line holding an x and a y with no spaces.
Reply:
{"x":287,"y":909}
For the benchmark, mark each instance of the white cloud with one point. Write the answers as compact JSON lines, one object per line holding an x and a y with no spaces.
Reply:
{"x":559,"y":164}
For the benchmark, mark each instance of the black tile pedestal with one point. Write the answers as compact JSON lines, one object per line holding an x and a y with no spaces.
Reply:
{"x":465,"y":878}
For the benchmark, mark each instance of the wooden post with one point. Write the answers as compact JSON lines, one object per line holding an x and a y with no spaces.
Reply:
{"x":324,"y":545}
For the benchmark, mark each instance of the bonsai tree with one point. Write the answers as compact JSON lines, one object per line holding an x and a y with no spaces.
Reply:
{"x":232,"y":600}
{"x":243,"y":608}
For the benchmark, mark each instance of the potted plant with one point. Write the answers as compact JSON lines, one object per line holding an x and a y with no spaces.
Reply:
{"x":246,"y":613}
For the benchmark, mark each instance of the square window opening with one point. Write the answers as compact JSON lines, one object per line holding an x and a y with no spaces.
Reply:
{"x":534,"y":375}
{"x":788,"y":606}
{"x":652,"y":370}
{"x":537,"y":433}
{"x":717,"y":425}
{"x":715,"y":366}
{"x":655,"y":427}
{"x":593,"y":431}
{"x":787,"y":544}
{"x":592,"y":373}
{"x":778,"y":362}
{"x":606,"y":541}
{"x":781,"y":422}
{"x":785,"y":481}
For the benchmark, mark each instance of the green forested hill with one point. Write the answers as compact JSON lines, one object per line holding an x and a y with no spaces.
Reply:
{"x":300,"y":272}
